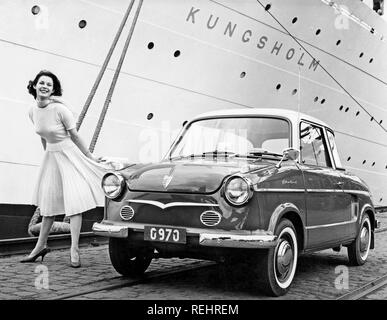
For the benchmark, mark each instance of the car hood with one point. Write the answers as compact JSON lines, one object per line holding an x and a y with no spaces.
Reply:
{"x":188,"y":176}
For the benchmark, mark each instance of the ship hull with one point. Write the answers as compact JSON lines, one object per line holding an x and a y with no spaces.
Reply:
{"x":187,"y":57}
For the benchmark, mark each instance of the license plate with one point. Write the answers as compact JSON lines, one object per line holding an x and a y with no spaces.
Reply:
{"x":165,"y":234}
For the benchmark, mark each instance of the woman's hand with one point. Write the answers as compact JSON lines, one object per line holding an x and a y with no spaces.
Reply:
{"x":95,"y":158}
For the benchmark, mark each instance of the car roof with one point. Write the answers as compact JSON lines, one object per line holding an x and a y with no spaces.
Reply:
{"x":292,"y":115}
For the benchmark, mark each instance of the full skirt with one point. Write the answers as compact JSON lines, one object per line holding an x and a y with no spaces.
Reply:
{"x":68,"y":182}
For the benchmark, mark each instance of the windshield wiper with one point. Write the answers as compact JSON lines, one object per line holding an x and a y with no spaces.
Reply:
{"x":259,"y":155}
{"x":214,"y":153}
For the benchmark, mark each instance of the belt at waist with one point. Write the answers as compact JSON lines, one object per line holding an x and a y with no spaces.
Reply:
{"x":58,"y":146}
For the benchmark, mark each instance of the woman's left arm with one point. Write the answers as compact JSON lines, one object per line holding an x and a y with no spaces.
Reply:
{"x":78,"y":141}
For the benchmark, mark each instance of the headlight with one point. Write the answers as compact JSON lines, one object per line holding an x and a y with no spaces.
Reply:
{"x":112,"y":185}
{"x":237,"y":190}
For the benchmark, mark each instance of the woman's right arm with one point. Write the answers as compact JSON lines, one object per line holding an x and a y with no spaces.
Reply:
{"x":43,"y":143}
{"x":78,"y":141}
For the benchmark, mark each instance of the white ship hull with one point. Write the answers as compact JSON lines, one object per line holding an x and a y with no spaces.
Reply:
{"x":232,"y":54}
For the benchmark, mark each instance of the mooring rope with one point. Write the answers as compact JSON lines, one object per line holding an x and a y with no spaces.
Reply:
{"x":114,"y":81}
{"x":103,"y":68}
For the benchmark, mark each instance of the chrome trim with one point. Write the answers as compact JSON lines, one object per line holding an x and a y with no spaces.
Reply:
{"x":173,"y":204}
{"x":366,"y":193}
{"x":130,"y":215}
{"x":106,"y":230}
{"x":325,"y":190}
{"x":214,"y":220}
{"x":238,"y":241}
{"x":331,"y":224}
{"x":278,"y":190}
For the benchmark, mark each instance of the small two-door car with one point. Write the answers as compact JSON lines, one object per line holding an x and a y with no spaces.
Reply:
{"x":258,"y":186}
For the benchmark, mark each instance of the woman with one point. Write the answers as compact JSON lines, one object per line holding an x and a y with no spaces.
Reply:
{"x":69,"y":178}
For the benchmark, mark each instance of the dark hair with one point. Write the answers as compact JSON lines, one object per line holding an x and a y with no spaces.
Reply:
{"x":57,"y":88}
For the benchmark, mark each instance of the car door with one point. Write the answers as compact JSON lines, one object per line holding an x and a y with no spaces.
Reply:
{"x":352,"y":186}
{"x":328,"y":210}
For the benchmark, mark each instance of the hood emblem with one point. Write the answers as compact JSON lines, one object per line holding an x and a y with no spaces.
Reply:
{"x":166,"y":181}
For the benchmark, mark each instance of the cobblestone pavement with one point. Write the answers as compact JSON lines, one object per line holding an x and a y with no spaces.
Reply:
{"x":322,"y":275}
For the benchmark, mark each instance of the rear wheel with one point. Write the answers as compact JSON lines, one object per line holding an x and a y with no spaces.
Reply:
{"x":127,"y":260}
{"x":359,"y":249}
{"x":277,"y":267}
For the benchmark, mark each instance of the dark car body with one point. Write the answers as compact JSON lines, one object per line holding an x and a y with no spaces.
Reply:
{"x":181,"y":206}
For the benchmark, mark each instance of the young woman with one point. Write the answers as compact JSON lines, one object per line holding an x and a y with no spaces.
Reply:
{"x":70,"y":176}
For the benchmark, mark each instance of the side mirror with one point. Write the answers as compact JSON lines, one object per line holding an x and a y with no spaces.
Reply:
{"x":289,"y":154}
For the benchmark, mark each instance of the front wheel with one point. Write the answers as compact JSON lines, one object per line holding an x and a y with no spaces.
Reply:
{"x":359,"y":249}
{"x":277,"y":267}
{"x":127,"y":260}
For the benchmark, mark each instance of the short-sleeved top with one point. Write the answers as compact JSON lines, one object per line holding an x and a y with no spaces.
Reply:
{"x":52,"y":122}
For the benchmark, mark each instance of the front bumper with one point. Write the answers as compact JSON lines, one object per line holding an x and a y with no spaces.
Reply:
{"x":209,"y":238}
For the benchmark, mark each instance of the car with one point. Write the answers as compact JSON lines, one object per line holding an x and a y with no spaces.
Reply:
{"x":258,"y":186}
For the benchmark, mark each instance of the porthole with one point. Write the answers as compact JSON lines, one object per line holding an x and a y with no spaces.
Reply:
{"x":318,"y":31}
{"x":176,"y":53}
{"x":294,"y":92}
{"x":357,"y":113}
{"x":35,"y":10}
{"x":243,"y":74}
{"x":341,"y":108}
{"x":322,"y":101}
{"x":373,"y":163}
{"x":149,"y":116}
{"x":294,"y":20}
{"x":338,"y":42}
{"x":349,"y":158}
{"x":372,"y":59}
{"x":364,"y":161}
{"x":267,"y":7}
{"x":381,"y":199}
{"x":361,"y":54}
{"x":278,"y":86}
{"x":151,"y":45}
{"x":346,"y":110}
{"x":372,"y":119}
{"x":380,"y":122}
{"x":82,"y":24}
{"x":315,"y":99}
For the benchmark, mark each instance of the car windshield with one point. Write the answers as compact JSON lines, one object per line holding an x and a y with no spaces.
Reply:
{"x":233,"y":136}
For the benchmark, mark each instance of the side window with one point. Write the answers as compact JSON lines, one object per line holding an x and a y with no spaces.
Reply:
{"x":332,"y":145}
{"x":313,"y":146}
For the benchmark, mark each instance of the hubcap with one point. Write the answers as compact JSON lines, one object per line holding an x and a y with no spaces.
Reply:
{"x":364,"y":239}
{"x":284,"y":259}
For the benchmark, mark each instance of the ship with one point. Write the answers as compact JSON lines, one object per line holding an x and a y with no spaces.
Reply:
{"x":180,"y":58}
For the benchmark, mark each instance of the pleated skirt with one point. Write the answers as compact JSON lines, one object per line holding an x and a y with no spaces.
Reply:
{"x":68,"y":182}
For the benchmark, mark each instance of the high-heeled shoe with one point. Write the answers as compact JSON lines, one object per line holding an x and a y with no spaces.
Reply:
{"x":75,"y":264}
{"x":41,"y":253}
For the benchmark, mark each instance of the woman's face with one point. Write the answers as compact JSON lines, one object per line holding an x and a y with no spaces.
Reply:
{"x":44,"y":87}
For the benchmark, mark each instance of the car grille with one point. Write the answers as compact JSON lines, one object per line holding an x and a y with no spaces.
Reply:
{"x":210,"y":218}
{"x":126,"y":213}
